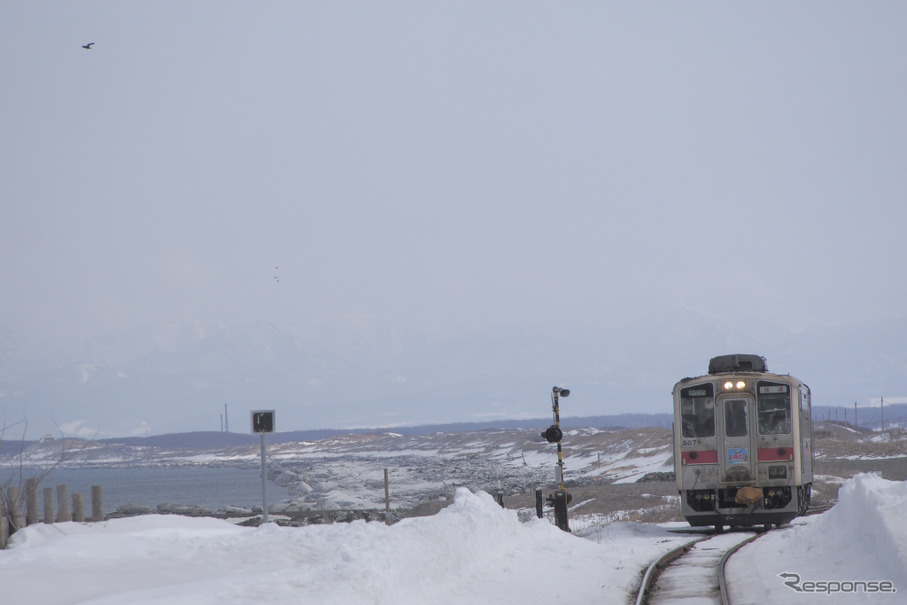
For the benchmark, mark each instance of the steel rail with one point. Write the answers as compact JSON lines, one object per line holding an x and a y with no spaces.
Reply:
{"x":722,"y":581}
{"x":653,"y":571}
{"x":660,"y":563}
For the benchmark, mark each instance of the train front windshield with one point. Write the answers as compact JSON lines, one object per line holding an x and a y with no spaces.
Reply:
{"x":774,"y":409}
{"x":697,"y":411}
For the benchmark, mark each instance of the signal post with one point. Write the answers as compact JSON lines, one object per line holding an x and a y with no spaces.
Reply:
{"x":263,"y":423}
{"x":554,"y":434}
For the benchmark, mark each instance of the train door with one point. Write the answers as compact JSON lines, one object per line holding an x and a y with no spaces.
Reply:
{"x":736,"y":457}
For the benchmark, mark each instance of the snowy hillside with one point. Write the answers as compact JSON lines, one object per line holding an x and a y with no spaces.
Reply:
{"x":602,"y":466}
{"x":346,"y":471}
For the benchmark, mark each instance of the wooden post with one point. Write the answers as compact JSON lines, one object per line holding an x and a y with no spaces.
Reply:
{"x":97,"y":508}
{"x":63,"y":505}
{"x":387,"y":500}
{"x":31,"y":501}
{"x":78,"y":508}
{"x":48,"y":505}
{"x":15,"y":517}
{"x":4,"y":527}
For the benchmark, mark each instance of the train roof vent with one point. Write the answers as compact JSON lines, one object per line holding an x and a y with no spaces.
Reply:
{"x":737,"y":363}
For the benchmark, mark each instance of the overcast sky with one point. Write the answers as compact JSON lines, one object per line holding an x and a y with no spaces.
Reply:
{"x":450,"y":163}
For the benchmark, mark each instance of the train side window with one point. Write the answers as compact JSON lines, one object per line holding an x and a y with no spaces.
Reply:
{"x":735,"y":417}
{"x":773,"y":409}
{"x":804,"y":398}
{"x":697,"y":410}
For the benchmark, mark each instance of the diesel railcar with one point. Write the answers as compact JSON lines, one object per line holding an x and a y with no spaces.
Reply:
{"x":743,"y":452}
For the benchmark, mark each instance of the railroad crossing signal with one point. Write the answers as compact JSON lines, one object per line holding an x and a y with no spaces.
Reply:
{"x":554,"y":434}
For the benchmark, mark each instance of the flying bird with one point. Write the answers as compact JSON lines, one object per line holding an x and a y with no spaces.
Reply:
{"x":88,"y":46}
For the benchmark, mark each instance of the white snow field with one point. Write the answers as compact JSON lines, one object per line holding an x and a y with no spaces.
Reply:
{"x":471,"y":552}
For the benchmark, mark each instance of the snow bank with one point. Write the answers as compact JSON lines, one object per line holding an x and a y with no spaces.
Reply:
{"x":471,"y":552}
{"x":874,"y":511}
{"x":862,"y":539}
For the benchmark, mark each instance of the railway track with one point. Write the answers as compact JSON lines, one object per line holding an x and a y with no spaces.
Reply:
{"x":696,"y":569}
{"x":692,"y":571}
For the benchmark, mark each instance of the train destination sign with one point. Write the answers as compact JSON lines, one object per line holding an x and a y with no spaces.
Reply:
{"x":767,"y":390}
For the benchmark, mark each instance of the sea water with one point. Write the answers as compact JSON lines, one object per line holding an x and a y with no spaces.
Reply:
{"x":208,"y":487}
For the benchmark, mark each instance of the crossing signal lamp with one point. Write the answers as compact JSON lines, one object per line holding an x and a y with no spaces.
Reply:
{"x":553,"y":434}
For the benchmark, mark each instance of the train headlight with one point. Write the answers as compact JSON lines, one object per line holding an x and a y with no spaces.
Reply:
{"x":730,"y":385}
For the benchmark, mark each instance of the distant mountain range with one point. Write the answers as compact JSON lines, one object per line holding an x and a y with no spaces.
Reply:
{"x":867,"y":417}
{"x":175,"y":379}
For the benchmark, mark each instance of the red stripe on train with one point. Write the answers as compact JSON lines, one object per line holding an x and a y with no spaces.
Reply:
{"x":702,"y":457}
{"x":770,"y":454}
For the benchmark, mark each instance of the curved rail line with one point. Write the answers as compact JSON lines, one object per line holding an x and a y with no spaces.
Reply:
{"x":689,"y":560}
{"x":654,"y":570}
{"x":722,"y":580}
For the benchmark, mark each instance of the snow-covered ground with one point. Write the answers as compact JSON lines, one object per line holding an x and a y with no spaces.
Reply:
{"x":471,"y":552}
